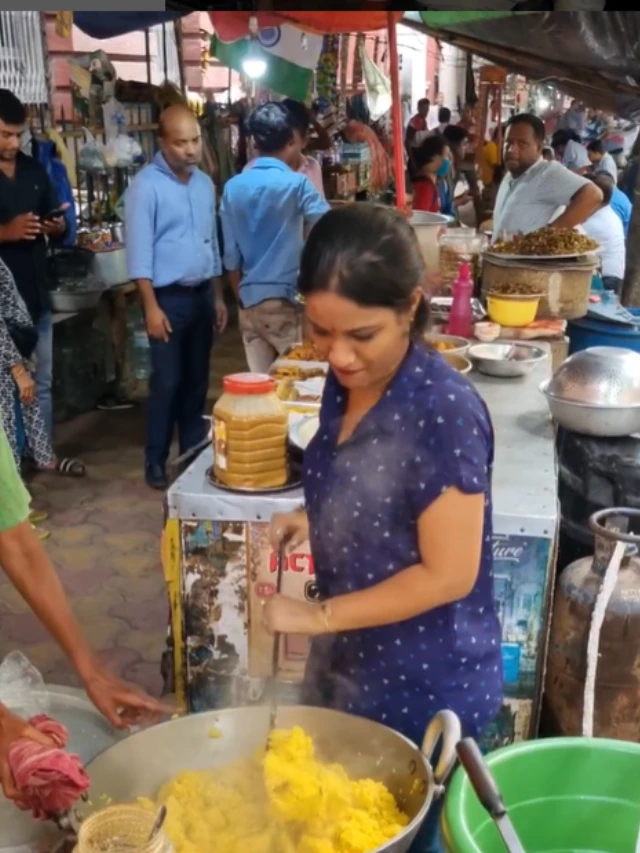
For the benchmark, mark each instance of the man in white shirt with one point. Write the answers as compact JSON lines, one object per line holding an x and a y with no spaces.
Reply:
{"x":601,"y":160}
{"x":605,"y":226}
{"x":535,"y":193}
{"x":570,"y":151}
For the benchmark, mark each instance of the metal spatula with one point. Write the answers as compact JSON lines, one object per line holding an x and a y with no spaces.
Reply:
{"x":487,"y":792}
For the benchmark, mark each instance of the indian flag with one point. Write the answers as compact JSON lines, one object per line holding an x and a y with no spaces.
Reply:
{"x":291,"y":56}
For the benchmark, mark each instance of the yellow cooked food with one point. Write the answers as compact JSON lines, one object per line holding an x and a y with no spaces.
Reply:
{"x":283,"y":801}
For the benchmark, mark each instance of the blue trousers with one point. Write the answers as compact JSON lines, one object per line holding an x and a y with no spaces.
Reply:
{"x":180,"y":371}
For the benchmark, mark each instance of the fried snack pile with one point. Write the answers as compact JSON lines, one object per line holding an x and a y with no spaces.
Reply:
{"x":547,"y":241}
{"x":284,"y":801}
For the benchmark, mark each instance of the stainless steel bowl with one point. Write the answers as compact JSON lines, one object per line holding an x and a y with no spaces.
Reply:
{"x":599,"y":376}
{"x":140,"y":765}
{"x":64,"y":302}
{"x":506,"y":359}
{"x":458,"y":346}
{"x":592,"y":419}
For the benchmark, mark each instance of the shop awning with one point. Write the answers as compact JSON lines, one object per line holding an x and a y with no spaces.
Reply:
{"x":234,"y":25}
{"x":593,"y":56}
{"x":105,"y":25}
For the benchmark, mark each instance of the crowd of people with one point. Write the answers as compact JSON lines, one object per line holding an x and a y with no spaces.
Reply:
{"x":570,"y":182}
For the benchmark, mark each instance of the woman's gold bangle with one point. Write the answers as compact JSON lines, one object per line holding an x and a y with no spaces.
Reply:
{"x":325,"y":613}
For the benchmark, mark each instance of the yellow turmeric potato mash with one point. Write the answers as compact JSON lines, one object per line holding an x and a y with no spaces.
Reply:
{"x":283,"y":801}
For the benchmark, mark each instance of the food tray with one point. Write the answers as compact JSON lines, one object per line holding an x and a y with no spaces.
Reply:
{"x":441,"y":307}
{"x":300,"y":365}
{"x":546,"y":258}
{"x":293,"y":482}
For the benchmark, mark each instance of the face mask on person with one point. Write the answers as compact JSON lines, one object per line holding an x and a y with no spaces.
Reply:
{"x":443,"y":171}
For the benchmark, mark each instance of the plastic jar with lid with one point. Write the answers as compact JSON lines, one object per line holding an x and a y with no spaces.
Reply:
{"x":250,"y":427}
{"x":121,"y":829}
{"x":459,"y":246}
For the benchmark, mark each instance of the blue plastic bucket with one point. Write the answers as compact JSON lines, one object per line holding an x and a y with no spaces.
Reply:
{"x":587,"y":333}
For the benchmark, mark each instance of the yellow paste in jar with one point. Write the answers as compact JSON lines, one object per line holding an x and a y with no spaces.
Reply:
{"x":282,"y":801}
{"x":250,"y":428}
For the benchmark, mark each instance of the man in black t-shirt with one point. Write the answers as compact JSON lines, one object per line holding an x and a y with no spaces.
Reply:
{"x":27,"y":198}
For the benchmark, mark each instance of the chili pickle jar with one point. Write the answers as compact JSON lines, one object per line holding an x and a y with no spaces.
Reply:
{"x":121,"y":829}
{"x":250,"y":430}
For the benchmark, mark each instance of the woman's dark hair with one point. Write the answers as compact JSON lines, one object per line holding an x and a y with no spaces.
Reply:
{"x":367,"y":253}
{"x":12,"y":110}
{"x":536,"y":124}
{"x":455,"y":135}
{"x":271,"y":126}
{"x":432,"y":147}
{"x":444,"y":115}
{"x":300,"y":115}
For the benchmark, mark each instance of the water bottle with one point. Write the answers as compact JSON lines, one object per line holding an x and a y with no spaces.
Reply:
{"x":461,"y":317}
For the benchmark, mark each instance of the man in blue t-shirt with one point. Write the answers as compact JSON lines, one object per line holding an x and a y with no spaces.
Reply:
{"x":623,"y":207}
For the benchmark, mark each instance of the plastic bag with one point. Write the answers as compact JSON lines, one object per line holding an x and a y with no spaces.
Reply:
{"x":123,"y":151}
{"x":22,"y":688}
{"x":91,"y":155}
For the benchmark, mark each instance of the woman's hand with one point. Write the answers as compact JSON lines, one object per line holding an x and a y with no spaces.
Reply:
{"x":123,"y":704}
{"x":25,"y":382}
{"x":14,"y":728}
{"x":283,"y":615}
{"x":292,"y":527}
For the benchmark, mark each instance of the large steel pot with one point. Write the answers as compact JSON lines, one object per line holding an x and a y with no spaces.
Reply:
{"x":140,"y":765}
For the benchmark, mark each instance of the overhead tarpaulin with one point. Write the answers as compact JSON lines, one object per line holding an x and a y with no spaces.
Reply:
{"x":593,"y":56}
{"x":233,"y":25}
{"x":106,"y":25}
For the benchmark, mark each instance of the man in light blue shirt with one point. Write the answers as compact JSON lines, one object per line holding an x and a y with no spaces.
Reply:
{"x":173,"y":256}
{"x":264,"y":212}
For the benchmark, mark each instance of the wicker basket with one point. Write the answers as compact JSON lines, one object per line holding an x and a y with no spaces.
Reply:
{"x":566,"y":286}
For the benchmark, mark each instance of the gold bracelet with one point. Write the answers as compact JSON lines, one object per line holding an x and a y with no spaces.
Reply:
{"x":325,"y":613}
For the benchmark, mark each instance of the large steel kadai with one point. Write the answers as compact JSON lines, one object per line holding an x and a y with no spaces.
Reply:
{"x":140,"y":765}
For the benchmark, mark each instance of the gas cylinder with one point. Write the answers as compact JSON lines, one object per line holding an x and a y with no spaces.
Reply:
{"x":616,"y":703}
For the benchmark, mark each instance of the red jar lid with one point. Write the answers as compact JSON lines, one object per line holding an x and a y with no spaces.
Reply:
{"x":248,"y":383}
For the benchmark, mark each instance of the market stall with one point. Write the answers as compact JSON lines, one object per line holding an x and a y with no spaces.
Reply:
{"x":218,"y":564}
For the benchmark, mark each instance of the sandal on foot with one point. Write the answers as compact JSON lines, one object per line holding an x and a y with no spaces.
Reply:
{"x":41,"y":534}
{"x":37,"y":517}
{"x":70,"y":468}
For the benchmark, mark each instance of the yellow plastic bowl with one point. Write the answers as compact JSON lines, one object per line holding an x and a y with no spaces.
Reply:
{"x":512,"y":310}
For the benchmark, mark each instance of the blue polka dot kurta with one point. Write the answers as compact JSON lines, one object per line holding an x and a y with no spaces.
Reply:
{"x":429,"y":432}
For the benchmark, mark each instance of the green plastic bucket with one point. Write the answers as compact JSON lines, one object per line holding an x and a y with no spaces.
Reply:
{"x":563,"y":795}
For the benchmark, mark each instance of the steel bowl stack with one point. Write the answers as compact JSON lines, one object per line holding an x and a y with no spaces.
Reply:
{"x":597,"y":392}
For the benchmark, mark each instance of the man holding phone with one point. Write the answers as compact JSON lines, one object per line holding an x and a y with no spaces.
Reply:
{"x":30,"y":214}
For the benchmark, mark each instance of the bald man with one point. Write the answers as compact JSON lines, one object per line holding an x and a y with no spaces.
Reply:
{"x":174,"y":258}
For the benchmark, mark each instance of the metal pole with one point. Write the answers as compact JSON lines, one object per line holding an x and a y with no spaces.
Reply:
{"x":165,"y":62}
{"x":147,"y":54}
{"x":396,"y":113}
{"x":177,"y":26}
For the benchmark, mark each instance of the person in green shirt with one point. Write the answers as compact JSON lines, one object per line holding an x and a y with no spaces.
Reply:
{"x":30,"y":570}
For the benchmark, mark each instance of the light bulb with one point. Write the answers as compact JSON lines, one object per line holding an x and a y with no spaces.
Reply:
{"x":254,"y":64}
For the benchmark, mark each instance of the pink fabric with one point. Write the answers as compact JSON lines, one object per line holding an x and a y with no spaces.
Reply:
{"x":49,"y":779}
{"x":310,"y":168}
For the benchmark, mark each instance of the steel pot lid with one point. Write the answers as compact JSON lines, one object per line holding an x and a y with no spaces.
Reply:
{"x":599,"y":376}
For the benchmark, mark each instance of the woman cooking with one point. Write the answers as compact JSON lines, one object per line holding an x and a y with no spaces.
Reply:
{"x":397,"y":487}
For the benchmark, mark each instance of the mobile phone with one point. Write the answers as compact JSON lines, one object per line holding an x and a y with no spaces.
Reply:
{"x":55,"y":214}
